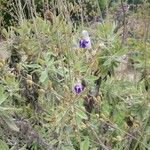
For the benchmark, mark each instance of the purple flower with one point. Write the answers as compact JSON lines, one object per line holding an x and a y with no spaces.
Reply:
{"x":83,"y":43}
{"x":78,"y":88}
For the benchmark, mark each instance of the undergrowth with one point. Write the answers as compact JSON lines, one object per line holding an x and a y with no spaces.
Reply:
{"x":40,"y":107}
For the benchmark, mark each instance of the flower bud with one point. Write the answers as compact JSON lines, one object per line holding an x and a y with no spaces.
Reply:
{"x":29,"y":82}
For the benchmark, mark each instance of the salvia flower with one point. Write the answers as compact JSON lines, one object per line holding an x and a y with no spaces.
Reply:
{"x":85,"y":42}
{"x":78,"y":88}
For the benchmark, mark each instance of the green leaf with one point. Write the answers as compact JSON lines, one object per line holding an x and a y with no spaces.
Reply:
{"x":85,"y":144}
{"x":91,"y":78}
{"x":7,"y":109}
{"x":5,"y":33}
{"x":13,"y":148}
{"x":10,"y":123}
{"x":54,"y":141}
{"x":24,"y":147}
{"x":44,"y":76}
{"x":3,"y":96}
{"x":81,"y":114}
{"x":3,"y":145}
{"x":33,"y":66}
{"x":67,"y":148}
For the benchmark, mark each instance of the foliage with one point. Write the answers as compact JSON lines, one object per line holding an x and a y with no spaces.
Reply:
{"x":39,"y":108}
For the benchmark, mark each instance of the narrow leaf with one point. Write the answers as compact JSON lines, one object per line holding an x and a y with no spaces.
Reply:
{"x":91,"y":78}
{"x":81,"y":114}
{"x":67,"y":148}
{"x":85,"y":144}
{"x":10,"y":123}
{"x":44,"y":76}
{"x":3,"y":145}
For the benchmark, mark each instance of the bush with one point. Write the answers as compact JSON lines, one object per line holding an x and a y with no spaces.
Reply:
{"x":57,"y":95}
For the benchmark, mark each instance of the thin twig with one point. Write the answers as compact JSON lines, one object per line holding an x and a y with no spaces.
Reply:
{"x":124,"y":24}
{"x":99,"y":140}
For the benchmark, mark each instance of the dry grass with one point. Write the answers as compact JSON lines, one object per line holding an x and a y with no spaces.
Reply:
{"x":4,"y":50}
